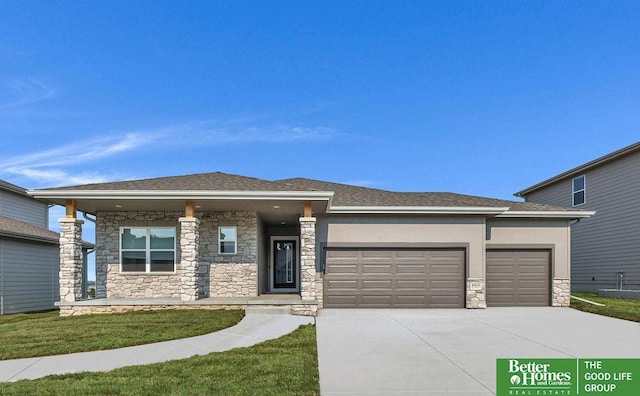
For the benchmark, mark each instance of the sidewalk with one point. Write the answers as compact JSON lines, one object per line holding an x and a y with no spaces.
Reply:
{"x":253,"y":329}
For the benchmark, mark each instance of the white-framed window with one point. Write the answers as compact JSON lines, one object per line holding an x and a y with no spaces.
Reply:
{"x":147,"y":249}
{"x":227,"y":239}
{"x":579,"y":190}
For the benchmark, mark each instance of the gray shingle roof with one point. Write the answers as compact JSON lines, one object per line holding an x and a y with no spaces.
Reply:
{"x":215,"y":181}
{"x":347,"y":195}
{"x":12,"y":227}
{"x":344,"y":194}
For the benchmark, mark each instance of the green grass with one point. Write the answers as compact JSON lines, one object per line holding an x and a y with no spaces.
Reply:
{"x":44,"y":334}
{"x":285,"y":366}
{"x":615,"y":307}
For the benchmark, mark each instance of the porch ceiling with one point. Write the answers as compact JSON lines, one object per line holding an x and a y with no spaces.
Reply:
{"x":270,"y":210}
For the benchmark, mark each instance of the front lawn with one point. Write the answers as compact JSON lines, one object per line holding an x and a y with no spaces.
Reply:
{"x":285,"y":366}
{"x":614,"y":307}
{"x":44,"y":334}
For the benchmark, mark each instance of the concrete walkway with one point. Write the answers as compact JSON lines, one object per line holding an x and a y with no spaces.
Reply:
{"x":253,"y":329}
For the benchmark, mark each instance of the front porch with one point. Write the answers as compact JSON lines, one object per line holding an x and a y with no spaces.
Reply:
{"x":289,"y":303}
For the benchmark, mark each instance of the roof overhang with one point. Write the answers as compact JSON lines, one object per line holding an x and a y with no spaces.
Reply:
{"x":29,"y":237}
{"x":445,"y":210}
{"x":160,"y":195}
{"x":568,"y":214}
{"x":272,"y":205}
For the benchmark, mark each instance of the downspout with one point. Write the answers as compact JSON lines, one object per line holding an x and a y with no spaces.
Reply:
{"x":85,"y":264}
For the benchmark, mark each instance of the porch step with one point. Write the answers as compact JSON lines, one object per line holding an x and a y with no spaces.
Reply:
{"x":268,"y":310}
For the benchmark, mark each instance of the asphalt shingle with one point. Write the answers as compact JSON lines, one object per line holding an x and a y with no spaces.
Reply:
{"x":12,"y":227}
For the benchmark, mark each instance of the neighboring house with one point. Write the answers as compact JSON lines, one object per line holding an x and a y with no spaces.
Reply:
{"x":218,"y":240}
{"x":29,"y":253}
{"x":605,"y":249}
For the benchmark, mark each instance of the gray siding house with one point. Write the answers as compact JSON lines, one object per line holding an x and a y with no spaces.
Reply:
{"x":217,"y":240}
{"x":605,"y":249}
{"x":29,"y":253}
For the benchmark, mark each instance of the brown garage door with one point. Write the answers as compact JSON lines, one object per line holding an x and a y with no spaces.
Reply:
{"x":407,"y":278}
{"x":518,"y":278}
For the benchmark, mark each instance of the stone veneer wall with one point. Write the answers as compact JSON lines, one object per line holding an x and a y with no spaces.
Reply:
{"x":217,"y":275}
{"x":476,"y":293}
{"x":230,"y":275}
{"x":110,"y":282}
{"x":561,"y":294}
{"x":141,"y":285}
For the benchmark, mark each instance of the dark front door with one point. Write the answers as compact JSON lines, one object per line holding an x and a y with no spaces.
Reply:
{"x":285,"y":274}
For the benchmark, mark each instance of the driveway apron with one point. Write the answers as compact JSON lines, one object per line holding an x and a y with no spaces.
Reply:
{"x":454,"y":351}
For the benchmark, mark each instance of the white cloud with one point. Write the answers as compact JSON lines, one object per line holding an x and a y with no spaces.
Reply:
{"x":51,"y":167}
{"x":60,"y":165}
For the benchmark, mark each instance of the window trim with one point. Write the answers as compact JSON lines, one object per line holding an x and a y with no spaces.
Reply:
{"x":235,"y":241}
{"x":148,"y":250}
{"x":583,"y":191}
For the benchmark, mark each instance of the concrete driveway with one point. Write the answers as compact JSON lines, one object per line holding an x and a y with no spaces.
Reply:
{"x":454,"y":351}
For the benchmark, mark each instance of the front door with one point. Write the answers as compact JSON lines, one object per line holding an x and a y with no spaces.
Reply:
{"x":284,"y":264}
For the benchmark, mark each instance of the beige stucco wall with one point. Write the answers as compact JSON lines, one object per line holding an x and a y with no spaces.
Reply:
{"x":453,"y":231}
{"x":529,"y":233}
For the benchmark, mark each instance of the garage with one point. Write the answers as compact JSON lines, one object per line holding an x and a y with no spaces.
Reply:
{"x":394,"y":278}
{"x":518,"y":278}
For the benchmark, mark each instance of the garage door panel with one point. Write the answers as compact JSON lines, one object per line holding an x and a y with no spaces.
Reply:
{"x":376,"y":254}
{"x":368,"y":268}
{"x":372,"y":300}
{"x":383,"y":284}
{"x":532,"y":269}
{"x":446,"y":269}
{"x":446,"y":301}
{"x":518,"y":278}
{"x":337,"y":284}
{"x":446,"y":285}
{"x":339,"y":268}
{"x":537,"y":284}
{"x":410,"y":302}
{"x":500,"y":269}
{"x":419,"y":269}
{"x":396,"y":278}
{"x":419,"y":284}
{"x":341,"y":301}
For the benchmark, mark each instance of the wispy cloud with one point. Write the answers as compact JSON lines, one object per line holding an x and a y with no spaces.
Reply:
{"x":225,"y":134}
{"x":64,"y":165}
{"x":53,"y":166}
{"x":24,"y":91}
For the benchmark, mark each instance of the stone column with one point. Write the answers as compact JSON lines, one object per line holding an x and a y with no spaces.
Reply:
{"x":189,"y":267}
{"x":561,"y":295}
{"x":476,"y":295}
{"x":308,"y":258}
{"x":70,"y":259}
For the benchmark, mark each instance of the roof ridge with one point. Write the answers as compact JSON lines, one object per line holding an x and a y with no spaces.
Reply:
{"x":168,"y":177}
{"x":333,"y":183}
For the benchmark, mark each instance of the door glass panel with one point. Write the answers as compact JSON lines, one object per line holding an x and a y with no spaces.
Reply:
{"x":284,"y":254}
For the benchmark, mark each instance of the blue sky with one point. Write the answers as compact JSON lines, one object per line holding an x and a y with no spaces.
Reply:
{"x":482,"y":98}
